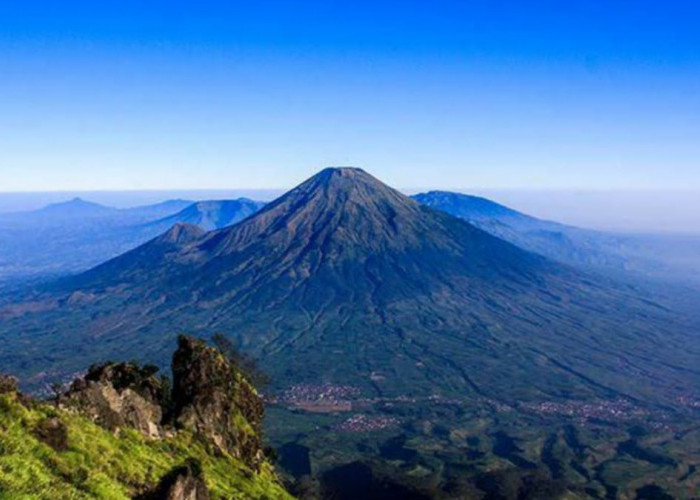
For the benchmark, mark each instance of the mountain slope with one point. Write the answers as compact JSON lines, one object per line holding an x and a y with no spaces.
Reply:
{"x":671,"y":258}
{"x":563,"y":243}
{"x":346,"y":280}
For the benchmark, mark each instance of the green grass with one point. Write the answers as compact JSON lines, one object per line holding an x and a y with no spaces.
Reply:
{"x":101,"y":465}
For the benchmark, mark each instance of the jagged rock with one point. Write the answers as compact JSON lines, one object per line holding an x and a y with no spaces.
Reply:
{"x":182,"y":483}
{"x":215,"y":406}
{"x":211,"y":398}
{"x":52,"y":432}
{"x":117,"y":395}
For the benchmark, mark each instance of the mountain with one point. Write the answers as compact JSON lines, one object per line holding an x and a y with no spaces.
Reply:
{"x":666,"y":257}
{"x":79,"y":213}
{"x":557,"y":241}
{"x":213,"y":214}
{"x":472,"y":208}
{"x":75,"y":235}
{"x":75,"y":208}
{"x":346,"y":280}
{"x":156,"y":210}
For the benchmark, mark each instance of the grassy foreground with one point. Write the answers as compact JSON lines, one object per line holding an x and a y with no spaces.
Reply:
{"x":98,"y":464}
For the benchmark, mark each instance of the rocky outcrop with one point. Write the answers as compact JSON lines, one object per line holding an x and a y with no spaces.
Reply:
{"x":212,"y":398}
{"x":118,"y":395}
{"x":182,"y":483}
{"x":203,"y":438}
{"x":52,"y":432}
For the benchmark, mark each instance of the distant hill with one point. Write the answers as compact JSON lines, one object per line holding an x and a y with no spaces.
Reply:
{"x":346,"y":280}
{"x":73,"y":236}
{"x":212,"y":214}
{"x":79,"y":212}
{"x":557,"y":241}
{"x":76,"y":208}
{"x":667,"y":257}
{"x":157,"y":210}
{"x":472,"y":208}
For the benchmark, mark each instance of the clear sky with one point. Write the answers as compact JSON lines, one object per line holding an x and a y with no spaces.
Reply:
{"x":464,"y":94}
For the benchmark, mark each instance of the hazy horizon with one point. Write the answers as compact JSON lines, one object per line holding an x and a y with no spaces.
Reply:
{"x":576,"y":113}
{"x":633,"y":211}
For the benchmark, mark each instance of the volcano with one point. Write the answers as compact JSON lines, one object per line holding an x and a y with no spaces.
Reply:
{"x":348,"y":281}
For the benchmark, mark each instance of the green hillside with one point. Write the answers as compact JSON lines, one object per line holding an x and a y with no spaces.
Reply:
{"x":98,"y":464}
{"x":91,"y":443}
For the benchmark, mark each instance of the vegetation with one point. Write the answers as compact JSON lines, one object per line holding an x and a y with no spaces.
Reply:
{"x":98,"y":464}
{"x":119,"y":433}
{"x":455,"y":451}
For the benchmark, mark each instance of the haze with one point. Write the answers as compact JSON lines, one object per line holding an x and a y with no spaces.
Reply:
{"x":623,"y":211}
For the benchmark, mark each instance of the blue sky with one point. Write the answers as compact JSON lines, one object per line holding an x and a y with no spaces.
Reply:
{"x":500,"y":94}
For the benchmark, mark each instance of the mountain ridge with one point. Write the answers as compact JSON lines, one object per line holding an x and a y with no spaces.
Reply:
{"x":212,"y":214}
{"x":651,"y":258}
{"x":466,"y":205}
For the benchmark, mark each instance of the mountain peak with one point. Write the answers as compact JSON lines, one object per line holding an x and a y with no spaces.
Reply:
{"x":347,"y":172}
{"x":342,"y":176}
{"x":336,"y":206}
{"x":343,"y":184}
{"x":181,"y":234}
{"x":77,"y":202}
{"x":212,"y":214}
{"x":75,"y":207}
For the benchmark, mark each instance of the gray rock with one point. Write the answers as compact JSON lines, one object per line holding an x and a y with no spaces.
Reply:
{"x":211,"y":398}
{"x":183,"y":483}
{"x":118,"y":395}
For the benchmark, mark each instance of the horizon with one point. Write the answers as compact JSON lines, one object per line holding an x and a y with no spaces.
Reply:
{"x":624,"y":211}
